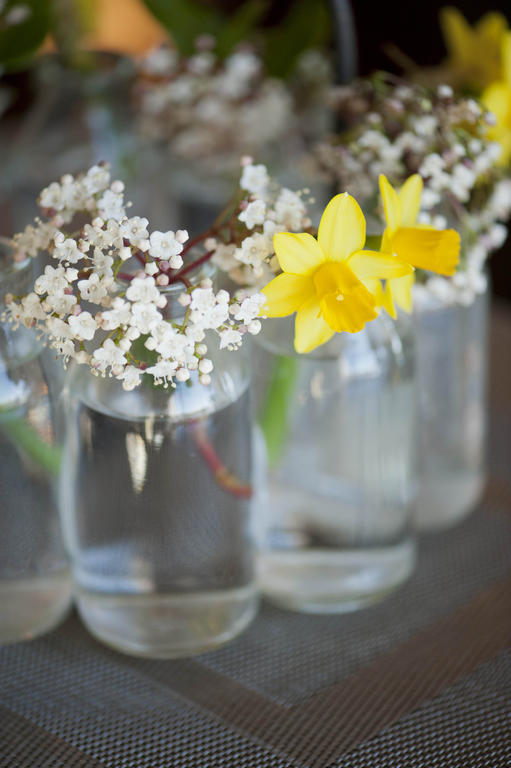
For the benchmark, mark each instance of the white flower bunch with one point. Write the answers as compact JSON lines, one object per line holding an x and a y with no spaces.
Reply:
{"x":205,"y":106}
{"x":399,"y":130}
{"x":119,"y":322}
{"x":246,"y":253}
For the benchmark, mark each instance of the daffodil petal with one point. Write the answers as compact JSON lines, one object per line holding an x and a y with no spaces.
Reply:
{"x":375,"y":288}
{"x":349,"y":312}
{"x":491,"y":29}
{"x":401,"y":289}
{"x":286,"y":294}
{"x":342,"y":229}
{"x":506,"y":57}
{"x":458,"y":35}
{"x":367,"y":264}
{"x":388,"y":300}
{"x":428,"y":248}
{"x":497,"y":98}
{"x":311,"y":330}
{"x":410,"y":197}
{"x":299,"y":254}
{"x":391,"y":204}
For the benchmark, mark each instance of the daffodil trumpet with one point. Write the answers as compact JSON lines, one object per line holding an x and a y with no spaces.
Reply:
{"x":421,"y":246}
{"x":327,"y":281}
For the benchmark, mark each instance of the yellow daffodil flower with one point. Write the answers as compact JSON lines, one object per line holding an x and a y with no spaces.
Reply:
{"x":474,"y":53}
{"x":421,"y":246}
{"x":323,"y":280}
{"x":497,"y":98}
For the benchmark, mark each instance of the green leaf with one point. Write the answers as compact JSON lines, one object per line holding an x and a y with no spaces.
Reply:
{"x":185,"y":20}
{"x":307,"y":25}
{"x":275,"y":412}
{"x":140,"y":352}
{"x":19,"y":41}
{"x":241,"y":26}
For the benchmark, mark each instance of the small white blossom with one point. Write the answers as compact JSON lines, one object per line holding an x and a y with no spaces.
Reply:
{"x":53,"y":281}
{"x":95,"y":288}
{"x":84,"y":326}
{"x":230,"y":338}
{"x":255,"y":179}
{"x":143,"y":290}
{"x":108,"y":356}
{"x":110,"y":206}
{"x":254,"y":214}
{"x":165,"y":246}
{"x":68,"y":251}
{"x":144,"y":317}
{"x":130,"y":377}
{"x":135,"y":230}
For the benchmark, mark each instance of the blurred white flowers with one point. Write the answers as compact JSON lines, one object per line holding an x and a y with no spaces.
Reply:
{"x":206,"y":106}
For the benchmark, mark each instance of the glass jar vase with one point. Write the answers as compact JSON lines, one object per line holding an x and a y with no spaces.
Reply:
{"x":35,"y":582}
{"x":156,"y":502}
{"x":337,"y":429}
{"x":452,"y":361}
{"x":73,"y":118}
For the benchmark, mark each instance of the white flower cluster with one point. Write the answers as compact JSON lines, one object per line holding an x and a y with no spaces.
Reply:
{"x":401,"y":130}
{"x":122,"y":323}
{"x":206,"y":106}
{"x":266,"y":208}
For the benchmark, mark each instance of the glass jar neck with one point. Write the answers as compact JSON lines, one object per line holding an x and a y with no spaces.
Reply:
{"x":107,"y":77}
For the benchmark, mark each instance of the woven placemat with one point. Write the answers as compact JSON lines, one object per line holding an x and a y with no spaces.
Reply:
{"x":422,"y":680}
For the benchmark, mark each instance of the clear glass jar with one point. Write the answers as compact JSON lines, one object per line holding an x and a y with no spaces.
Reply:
{"x":452,"y":361}
{"x":338,"y":429}
{"x":155,"y":499}
{"x":35,"y":582}
{"x":73,"y":119}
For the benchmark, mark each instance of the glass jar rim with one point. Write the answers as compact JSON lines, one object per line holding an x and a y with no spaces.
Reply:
{"x":108,"y":71}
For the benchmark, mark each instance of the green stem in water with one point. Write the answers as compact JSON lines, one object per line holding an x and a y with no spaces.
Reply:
{"x":25,"y":438}
{"x":275,"y":412}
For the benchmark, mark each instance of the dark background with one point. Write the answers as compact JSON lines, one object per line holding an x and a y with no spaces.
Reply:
{"x":414,"y":28}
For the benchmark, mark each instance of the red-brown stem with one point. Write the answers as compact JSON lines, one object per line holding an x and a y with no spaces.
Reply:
{"x":178,"y":277}
{"x":125,"y":276}
{"x":140,"y":257}
{"x":197,"y":239}
{"x":183,"y":280}
{"x":224,"y":478}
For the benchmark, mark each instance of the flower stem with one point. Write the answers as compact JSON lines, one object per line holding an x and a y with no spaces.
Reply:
{"x":275,"y":412}
{"x":223,"y":476}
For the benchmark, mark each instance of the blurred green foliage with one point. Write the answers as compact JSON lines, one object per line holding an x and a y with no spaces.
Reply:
{"x":19,"y":40}
{"x":304,"y":25}
{"x":307,"y":24}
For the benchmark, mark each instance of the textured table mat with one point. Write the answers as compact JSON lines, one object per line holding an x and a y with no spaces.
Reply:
{"x":422,"y":680}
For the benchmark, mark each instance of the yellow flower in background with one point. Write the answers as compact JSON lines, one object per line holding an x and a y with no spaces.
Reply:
{"x":474,"y":53}
{"x":421,"y":246}
{"x":497,"y":98}
{"x":117,"y":26}
{"x":323,"y":280}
